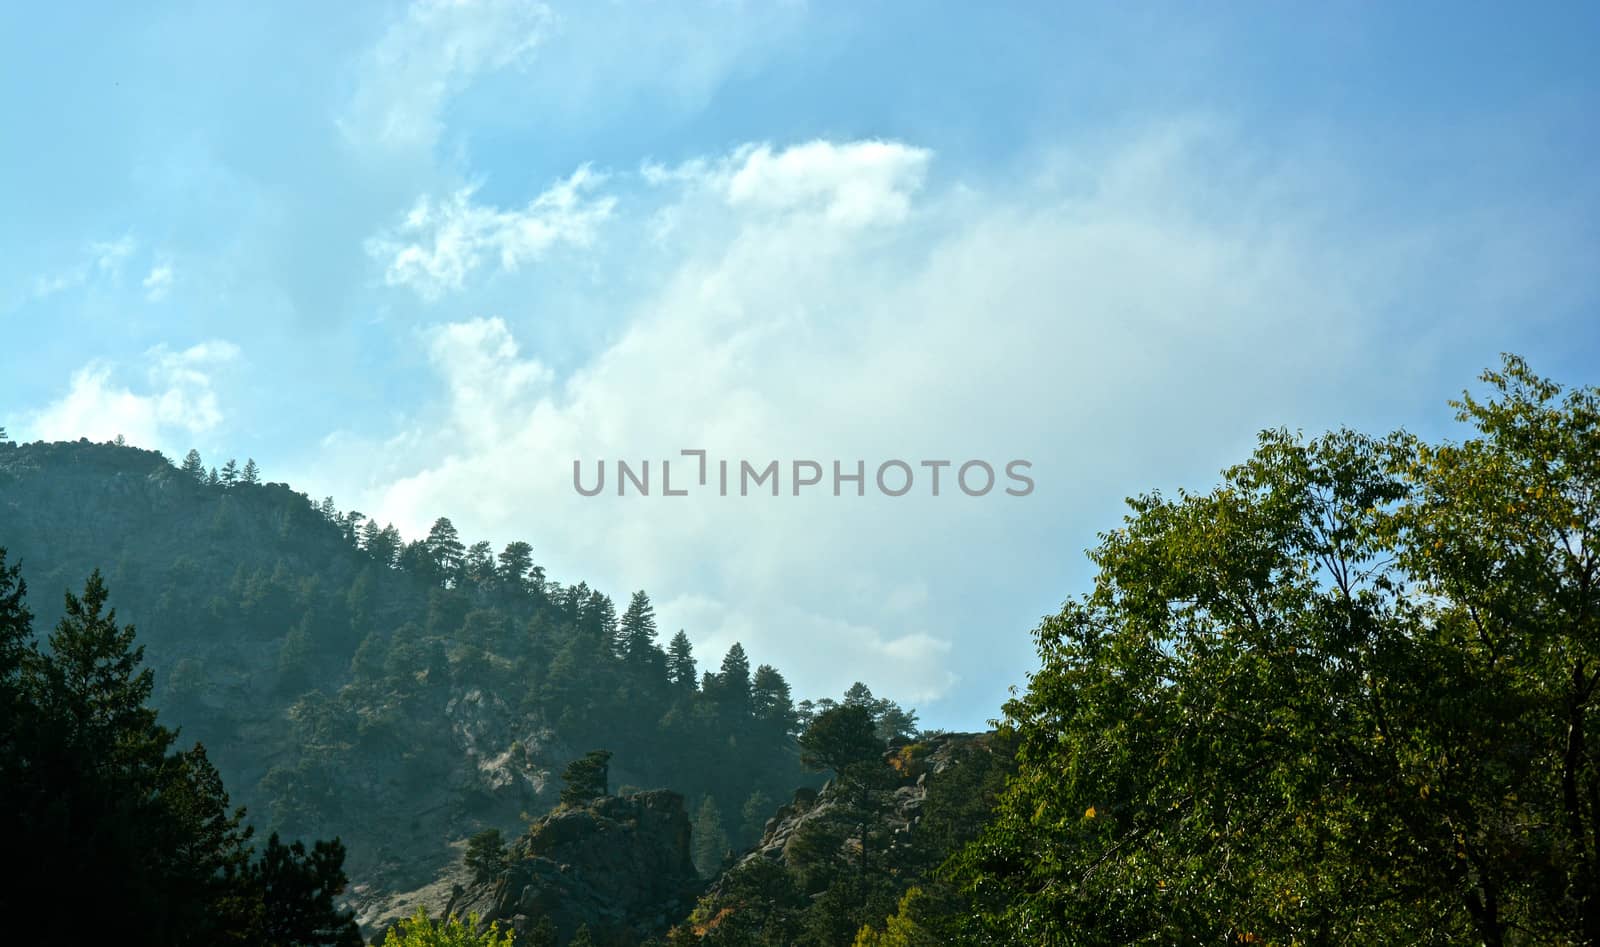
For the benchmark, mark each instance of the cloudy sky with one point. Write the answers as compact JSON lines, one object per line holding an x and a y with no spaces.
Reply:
{"x":423,"y":255}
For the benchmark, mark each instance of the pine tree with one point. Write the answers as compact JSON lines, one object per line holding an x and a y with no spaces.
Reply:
{"x":485,"y":856}
{"x":384,"y":548}
{"x":756,"y":811}
{"x":637,"y":634}
{"x":96,"y":796}
{"x":477,"y":566}
{"x":600,"y":619}
{"x":16,"y":643}
{"x":193,"y":467}
{"x":839,"y":739}
{"x":515,"y":564}
{"x":710,"y":839}
{"x":252,"y":473}
{"x":859,"y":695}
{"x":16,"y":622}
{"x":771,"y":701}
{"x":95,"y":675}
{"x":680,"y":662}
{"x":444,"y":548}
{"x":352,"y":527}
{"x":212,"y":479}
{"x":733,"y":681}
{"x":230,"y":473}
{"x":586,"y":778}
{"x":298,"y":888}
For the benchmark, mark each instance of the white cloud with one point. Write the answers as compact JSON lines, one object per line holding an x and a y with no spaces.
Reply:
{"x":102,"y":262}
{"x":489,"y":382}
{"x":110,"y":255}
{"x":442,"y":242}
{"x":432,"y":54}
{"x":851,"y":184}
{"x":830,"y":301}
{"x":177,"y":395}
{"x":158,"y":282}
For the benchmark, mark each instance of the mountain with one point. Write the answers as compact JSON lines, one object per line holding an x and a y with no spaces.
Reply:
{"x":402,"y":696}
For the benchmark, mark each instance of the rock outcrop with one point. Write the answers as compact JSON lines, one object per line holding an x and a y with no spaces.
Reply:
{"x":897,"y":806}
{"x":620,"y":866}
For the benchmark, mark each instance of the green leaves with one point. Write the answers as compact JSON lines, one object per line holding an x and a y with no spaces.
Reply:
{"x":1343,"y":697}
{"x":422,"y":931}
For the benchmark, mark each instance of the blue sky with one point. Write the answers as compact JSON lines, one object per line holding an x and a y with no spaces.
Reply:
{"x":421,"y":256}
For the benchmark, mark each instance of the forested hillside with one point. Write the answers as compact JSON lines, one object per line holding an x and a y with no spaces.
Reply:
{"x":399,"y":695}
{"x":1349,"y":695}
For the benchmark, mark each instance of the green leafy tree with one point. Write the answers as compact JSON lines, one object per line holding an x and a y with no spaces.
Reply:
{"x":1346,"y":696}
{"x":423,"y":931}
{"x":903,"y":928}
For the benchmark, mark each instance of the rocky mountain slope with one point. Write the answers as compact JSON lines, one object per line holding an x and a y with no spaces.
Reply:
{"x":402,"y":696}
{"x":619,"y":867}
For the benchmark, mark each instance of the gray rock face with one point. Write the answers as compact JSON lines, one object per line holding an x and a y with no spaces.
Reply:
{"x":620,"y":865}
{"x":897,"y":807}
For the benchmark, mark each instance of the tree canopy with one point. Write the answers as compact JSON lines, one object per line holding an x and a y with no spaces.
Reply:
{"x":1347,"y":696}
{"x":102,"y":805}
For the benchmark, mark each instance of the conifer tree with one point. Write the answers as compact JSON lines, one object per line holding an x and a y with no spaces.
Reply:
{"x":485,"y":856}
{"x":637,"y":634}
{"x":733,"y":681}
{"x":193,"y":467}
{"x":680,"y":662}
{"x":710,"y":839}
{"x":444,"y":548}
{"x":94,"y":793}
{"x":230,"y":473}
{"x":771,"y":701}
{"x":515,"y":564}
{"x":252,"y":473}
{"x":600,"y":619}
{"x":756,"y":811}
{"x":586,"y":778}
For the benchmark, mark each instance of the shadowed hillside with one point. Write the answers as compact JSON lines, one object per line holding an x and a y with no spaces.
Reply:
{"x":400,"y":695}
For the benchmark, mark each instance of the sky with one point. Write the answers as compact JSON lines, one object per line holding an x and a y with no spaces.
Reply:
{"x":422,"y":256}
